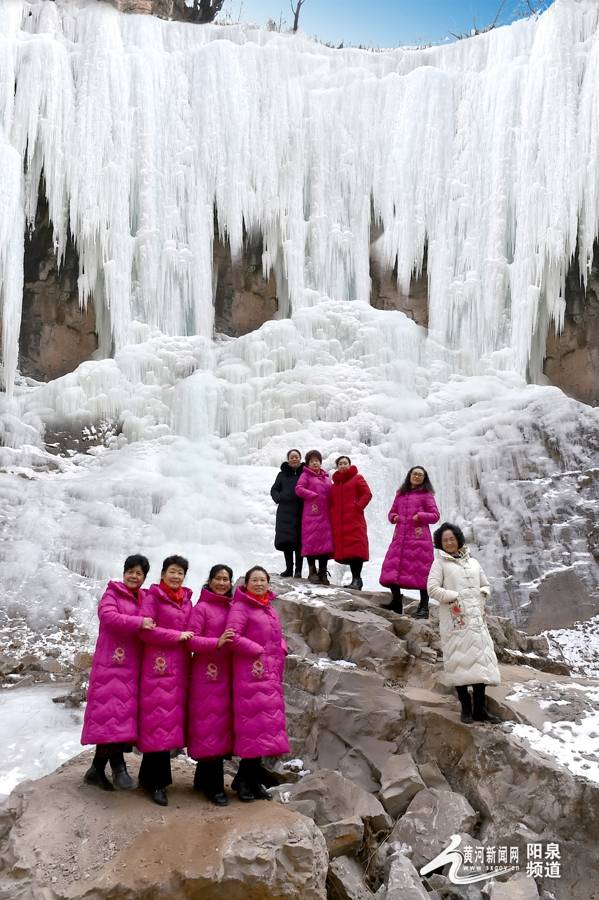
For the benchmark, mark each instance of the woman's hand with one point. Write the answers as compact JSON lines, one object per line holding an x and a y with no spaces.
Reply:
{"x":185,"y":635}
{"x":225,"y":637}
{"x":148,"y":624}
{"x":416,"y":518}
{"x":394,"y":519}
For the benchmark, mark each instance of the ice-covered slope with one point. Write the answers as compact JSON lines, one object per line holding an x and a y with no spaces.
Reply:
{"x":485,"y":151}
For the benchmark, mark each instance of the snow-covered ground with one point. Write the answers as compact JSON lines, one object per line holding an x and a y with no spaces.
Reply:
{"x":37,"y":735}
{"x":579,"y":646}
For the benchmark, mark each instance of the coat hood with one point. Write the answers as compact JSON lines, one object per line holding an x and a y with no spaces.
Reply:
{"x":320,"y":474}
{"x":345,"y":474}
{"x":208,"y":596}
{"x":158,"y":592}
{"x":123,"y":591}
{"x":241,"y":594}
{"x":449,"y":556}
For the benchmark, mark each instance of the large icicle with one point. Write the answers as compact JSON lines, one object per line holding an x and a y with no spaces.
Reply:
{"x":484,"y":151}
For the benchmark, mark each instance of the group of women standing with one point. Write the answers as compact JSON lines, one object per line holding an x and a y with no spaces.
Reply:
{"x":321,"y":518}
{"x":167,"y":675}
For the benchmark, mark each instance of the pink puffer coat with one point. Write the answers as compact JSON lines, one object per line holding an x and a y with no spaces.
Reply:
{"x":164,"y":672}
{"x":258,"y":663}
{"x":111,"y":711}
{"x":410,"y":554}
{"x":209,"y":707}
{"x":317,"y":534}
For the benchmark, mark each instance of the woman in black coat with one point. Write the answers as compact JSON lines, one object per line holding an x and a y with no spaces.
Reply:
{"x":288,"y":532}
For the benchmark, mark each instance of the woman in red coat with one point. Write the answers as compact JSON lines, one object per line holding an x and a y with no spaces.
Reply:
{"x":350,"y":495}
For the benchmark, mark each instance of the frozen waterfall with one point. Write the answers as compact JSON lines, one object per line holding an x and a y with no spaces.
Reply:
{"x":483,"y":154}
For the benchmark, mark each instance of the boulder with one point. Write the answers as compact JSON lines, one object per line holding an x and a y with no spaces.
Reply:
{"x":345,"y":880}
{"x":344,"y":836}
{"x":400,"y":782}
{"x":519,"y":887}
{"x":403,"y":881}
{"x":121,"y":845}
{"x":432,"y":775}
{"x":338,"y":799}
{"x":432,"y":817}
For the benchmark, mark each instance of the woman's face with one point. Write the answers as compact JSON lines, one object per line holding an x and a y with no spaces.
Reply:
{"x":173,"y":577}
{"x":314,"y":464}
{"x":449,"y":541}
{"x":134,"y":578}
{"x":258,"y":583}
{"x":220,"y":583}
{"x":294,"y":459}
{"x":417,"y":477}
{"x":343,"y":463}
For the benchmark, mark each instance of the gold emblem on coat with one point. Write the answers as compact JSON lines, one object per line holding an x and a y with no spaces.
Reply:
{"x":119,"y":655}
{"x":212,"y":671}
{"x":258,"y":669}
{"x":160,"y":665}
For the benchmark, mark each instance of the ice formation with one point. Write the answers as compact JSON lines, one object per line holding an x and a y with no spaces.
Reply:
{"x":483,"y":153}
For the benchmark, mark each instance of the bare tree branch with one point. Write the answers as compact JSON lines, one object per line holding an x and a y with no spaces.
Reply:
{"x":296,"y":9}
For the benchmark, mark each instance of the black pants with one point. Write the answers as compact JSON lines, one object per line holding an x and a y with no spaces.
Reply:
{"x":322,"y":562}
{"x":112,"y":753}
{"x":475,"y":704}
{"x":250,"y":771}
{"x":209,"y":776}
{"x":355,"y":565}
{"x":397,"y":595}
{"x":155,"y":770}
{"x":289,"y":553}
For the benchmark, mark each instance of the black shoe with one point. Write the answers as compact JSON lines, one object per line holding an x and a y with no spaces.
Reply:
{"x":122,"y":780}
{"x":323,"y":577}
{"x":356,"y":584}
{"x":245,"y":793}
{"x":421,"y":613}
{"x":466,"y":718}
{"x":159,"y":796}
{"x":98,"y":778}
{"x":486,"y":716}
{"x":260,"y":792}
{"x":395,"y":606}
{"x":288,"y":573}
{"x":297,"y":573}
{"x":219,"y":799}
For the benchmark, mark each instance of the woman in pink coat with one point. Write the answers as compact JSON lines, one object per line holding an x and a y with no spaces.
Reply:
{"x":164,"y":677}
{"x":314,"y":487}
{"x":110,"y":719}
{"x":209,"y":709}
{"x":258,"y":663}
{"x":410,"y":554}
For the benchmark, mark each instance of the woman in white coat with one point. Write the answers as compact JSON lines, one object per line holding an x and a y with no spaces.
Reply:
{"x":459,"y":584}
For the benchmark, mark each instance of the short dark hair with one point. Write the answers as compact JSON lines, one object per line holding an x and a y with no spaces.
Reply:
{"x":220,"y":567}
{"x":339,"y":458}
{"x":293,"y":450}
{"x":250,"y":572}
{"x":137,"y":560}
{"x":407,"y":484}
{"x":175,"y":561}
{"x":455,"y":530}
{"x":313,"y":454}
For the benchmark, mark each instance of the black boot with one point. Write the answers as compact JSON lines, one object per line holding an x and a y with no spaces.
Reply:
{"x":159,"y":796}
{"x":356,"y":584}
{"x":466,"y":703}
{"x":396,"y":604}
{"x":298,"y":565}
{"x":479,"y":710}
{"x":243,"y":781}
{"x":288,"y":573}
{"x":312,"y":573}
{"x":323,"y":575}
{"x":96,"y":775}
{"x":422,"y":611}
{"x":120,"y":777}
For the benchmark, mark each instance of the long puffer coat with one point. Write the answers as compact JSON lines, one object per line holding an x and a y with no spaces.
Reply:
{"x":317,"y":536}
{"x":350,"y":495}
{"x":461,"y":587}
{"x":112,"y":696}
{"x":209,"y":709}
{"x":258,"y":663}
{"x":164,"y":672}
{"x":410,"y":554}
{"x":288,"y":530}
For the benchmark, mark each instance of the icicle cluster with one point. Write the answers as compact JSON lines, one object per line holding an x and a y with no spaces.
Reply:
{"x":485,"y":151}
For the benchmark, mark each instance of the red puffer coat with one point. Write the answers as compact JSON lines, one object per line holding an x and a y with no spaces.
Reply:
{"x":350,"y":495}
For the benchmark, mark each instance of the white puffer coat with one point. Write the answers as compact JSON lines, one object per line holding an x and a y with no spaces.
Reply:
{"x":461,"y":586}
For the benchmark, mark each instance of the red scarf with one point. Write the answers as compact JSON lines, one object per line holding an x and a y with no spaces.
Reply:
{"x":264,"y":600}
{"x":177,"y":596}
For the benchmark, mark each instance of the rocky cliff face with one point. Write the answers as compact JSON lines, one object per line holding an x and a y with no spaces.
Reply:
{"x":389,"y":774}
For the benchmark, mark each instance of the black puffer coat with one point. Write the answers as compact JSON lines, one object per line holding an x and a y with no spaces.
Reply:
{"x":288,"y":532}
